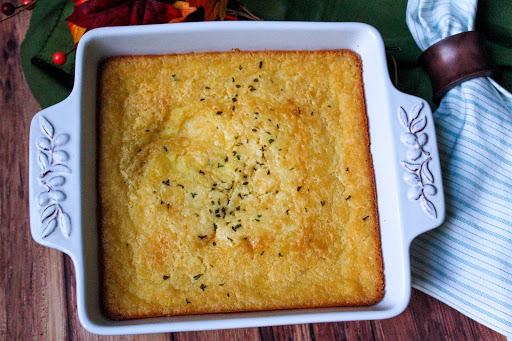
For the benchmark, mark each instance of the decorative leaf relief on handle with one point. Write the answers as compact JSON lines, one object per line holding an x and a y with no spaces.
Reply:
{"x":51,"y":159}
{"x":418,"y":174}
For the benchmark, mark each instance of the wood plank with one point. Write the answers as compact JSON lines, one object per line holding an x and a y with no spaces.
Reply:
{"x":358,"y":330}
{"x":31,"y":276}
{"x":219,"y":335}
{"x":432,"y":320}
{"x":299,"y":332}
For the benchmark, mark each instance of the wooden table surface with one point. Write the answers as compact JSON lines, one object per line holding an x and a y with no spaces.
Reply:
{"x":37,"y":284}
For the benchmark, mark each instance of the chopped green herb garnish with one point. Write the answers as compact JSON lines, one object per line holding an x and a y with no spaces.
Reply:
{"x":322,"y":203}
{"x":268,"y":172}
{"x":207,"y":87}
{"x":238,"y":85}
{"x":261,"y":254}
{"x":298,"y":188}
{"x":219,"y":112}
{"x":251,"y":88}
{"x":234,"y":99}
{"x":196,"y":277}
{"x":167,"y":182}
{"x":188,"y":302}
{"x":201,"y":172}
{"x":180,"y":185}
{"x":347,"y":198}
{"x":255,"y":80}
{"x":221,"y":284}
{"x":161,"y":202}
{"x":214,"y":227}
{"x":202,"y":237}
{"x":175,"y":78}
{"x":271,"y":140}
{"x":214,"y":244}
{"x":193,"y":195}
{"x":165,"y":277}
{"x":226,"y":159}
{"x":202,"y":99}
{"x":236,"y":227}
{"x":240,"y":67}
{"x":366,"y":217}
{"x":219,"y":165}
{"x":238,"y":208}
{"x":245,"y":183}
{"x":231,"y":240}
{"x":165,"y":148}
{"x":346,"y":170}
{"x":287,"y":212}
{"x":261,"y":64}
{"x":202,"y":286}
{"x":238,"y":156}
{"x":279,"y":254}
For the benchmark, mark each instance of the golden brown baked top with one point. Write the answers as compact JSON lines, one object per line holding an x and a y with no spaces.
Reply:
{"x":236,"y":181}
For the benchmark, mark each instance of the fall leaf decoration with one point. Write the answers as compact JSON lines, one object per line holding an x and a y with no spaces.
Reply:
{"x":99,"y":13}
{"x":90,"y":14}
{"x":213,"y":9}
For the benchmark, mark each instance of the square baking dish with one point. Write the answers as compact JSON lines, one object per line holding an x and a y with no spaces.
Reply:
{"x":63,"y":183}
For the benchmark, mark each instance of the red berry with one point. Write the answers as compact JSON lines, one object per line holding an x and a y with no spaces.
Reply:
{"x":59,"y":58}
{"x":8,"y":8}
{"x":28,"y":2}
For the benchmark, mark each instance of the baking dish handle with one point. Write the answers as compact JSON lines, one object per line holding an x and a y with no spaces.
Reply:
{"x":421,"y":186}
{"x":54,"y":177}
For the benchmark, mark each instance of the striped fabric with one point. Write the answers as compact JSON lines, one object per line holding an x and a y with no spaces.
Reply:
{"x":467,"y":262}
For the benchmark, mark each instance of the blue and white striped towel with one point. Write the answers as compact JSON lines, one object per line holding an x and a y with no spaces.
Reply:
{"x":467,"y":262}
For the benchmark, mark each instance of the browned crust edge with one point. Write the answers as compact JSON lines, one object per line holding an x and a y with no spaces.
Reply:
{"x":375,"y":210}
{"x":115,"y":315}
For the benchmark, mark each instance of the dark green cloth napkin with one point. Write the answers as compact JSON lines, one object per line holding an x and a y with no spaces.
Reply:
{"x":48,"y":33}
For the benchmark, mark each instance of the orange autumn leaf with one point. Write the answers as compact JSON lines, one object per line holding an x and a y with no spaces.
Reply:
{"x":184,"y":8}
{"x":212,"y":8}
{"x":76,"y":31}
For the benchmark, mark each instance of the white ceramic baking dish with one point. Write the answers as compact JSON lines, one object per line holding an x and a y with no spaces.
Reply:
{"x":63,"y":195}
